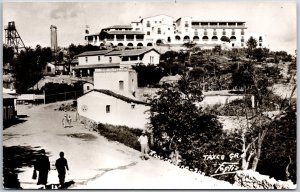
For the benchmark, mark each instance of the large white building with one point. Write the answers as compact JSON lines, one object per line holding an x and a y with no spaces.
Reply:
{"x":163,"y":30}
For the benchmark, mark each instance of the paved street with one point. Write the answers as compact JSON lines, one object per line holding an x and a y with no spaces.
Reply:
{"x":95,"y":162}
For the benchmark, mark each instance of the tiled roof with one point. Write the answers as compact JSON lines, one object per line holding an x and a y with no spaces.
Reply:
{"x":125,"y":33}
{"x":119,"y":27}
{"x":110,"y":65}
{"x":113,"y":53}
{"x":119,"y":96}
{"x":90,"y":53}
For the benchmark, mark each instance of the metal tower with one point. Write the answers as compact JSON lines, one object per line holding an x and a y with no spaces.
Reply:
{"x":12,"y":38}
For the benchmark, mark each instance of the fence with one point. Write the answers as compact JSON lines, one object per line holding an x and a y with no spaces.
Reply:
{"x":63,"y":96}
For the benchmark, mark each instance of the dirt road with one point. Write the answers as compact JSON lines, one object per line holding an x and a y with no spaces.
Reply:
{"x":95,"y":162}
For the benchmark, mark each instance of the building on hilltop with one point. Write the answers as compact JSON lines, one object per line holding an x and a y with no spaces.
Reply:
{"x":163,"y":30}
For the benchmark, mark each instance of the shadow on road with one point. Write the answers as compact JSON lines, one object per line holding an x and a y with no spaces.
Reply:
{"x":14,"y":158}
{"x":20,"y":119}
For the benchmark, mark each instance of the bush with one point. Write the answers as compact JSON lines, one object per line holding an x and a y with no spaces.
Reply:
{"x":123,"y":134}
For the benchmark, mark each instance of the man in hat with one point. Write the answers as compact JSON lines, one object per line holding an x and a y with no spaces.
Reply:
{"x":42,"y":165}
{"x":143,"y":140}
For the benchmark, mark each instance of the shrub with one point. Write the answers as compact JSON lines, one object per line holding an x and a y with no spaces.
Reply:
{"x":123,"y":134}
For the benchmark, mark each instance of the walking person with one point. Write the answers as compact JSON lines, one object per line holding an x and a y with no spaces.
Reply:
{"x":143,"y":140}
{"x":65,"y":120}
{"x":42,"y":165}
{"x":61,"y":165}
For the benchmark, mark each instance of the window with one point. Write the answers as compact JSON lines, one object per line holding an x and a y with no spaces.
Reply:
{"x":158,"y":31}
{"x":224,"y":32}
{"x":107,"y":108}
{"x":148,"y":32}
{"x":205,"y":32}
{"x":169,"y":39}
{"x":137,"y":29}
{"x":132,"y":106}
{"x":259,"y":44}
{"x":215,"y":32}
{"x":121,"y":85}
{"x":186,"y":24}
{"x":98,"y":58}
{"x":155,"y":22}
{"x":232,"y":32}
{"x":242,"y":44}
{"x":242,"y":32}
{"x":87,"y":87}
{"x":86,"y":59}
{"x":151,"y":59}
{"x":110,"y":59}
{"x":148,"y":24}
{"x":260,"y":39}
{"x":48,"y":69}
{"x":169,"y":29}
{"x":159,"y":21}
{"x":232,"y":44}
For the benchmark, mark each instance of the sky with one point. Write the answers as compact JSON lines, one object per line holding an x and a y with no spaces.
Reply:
{"x":276,"y":19}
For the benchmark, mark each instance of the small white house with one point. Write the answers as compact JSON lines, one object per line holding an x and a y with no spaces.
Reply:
{"x":49,"y":69}
{"x":105,"y":106}
{"x":113,"y":99}
{"x":87,"y":86}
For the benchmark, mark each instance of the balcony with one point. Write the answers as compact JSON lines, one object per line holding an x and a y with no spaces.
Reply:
{"x":139,"y":39}
{"x":120,"y":39}
{"x":129,"y":39}
{"x":110,"y":39}
{"x":214,"y":33}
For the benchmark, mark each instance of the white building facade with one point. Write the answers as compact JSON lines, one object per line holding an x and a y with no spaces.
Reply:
{"x":113,"y":100}
{"x":163,"y":30}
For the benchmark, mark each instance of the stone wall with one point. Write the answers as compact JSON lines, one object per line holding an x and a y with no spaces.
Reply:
{"x":253,"y":180}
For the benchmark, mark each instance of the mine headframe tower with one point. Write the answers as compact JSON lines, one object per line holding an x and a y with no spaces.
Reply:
{"x":12,"y":38}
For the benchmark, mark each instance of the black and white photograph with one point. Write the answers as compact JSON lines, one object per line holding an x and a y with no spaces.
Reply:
{"x":149,"y":95}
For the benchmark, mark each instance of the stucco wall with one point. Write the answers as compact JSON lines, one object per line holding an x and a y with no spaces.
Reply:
{"x":121,"y":112}
{"x":86,"y":86}
{"x":146,"y":58}
{"x":219,"y":99}
{"x":109,"y":79}
{"x":92,"y":60}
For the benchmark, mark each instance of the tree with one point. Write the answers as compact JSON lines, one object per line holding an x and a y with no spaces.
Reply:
{"x":251,"y":43}
{"x":176,"y":119}
{"x":148,"y":75}
{"x":8,"y":54}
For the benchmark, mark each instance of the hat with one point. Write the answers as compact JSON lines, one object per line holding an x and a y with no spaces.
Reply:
{"x":43,"y":151}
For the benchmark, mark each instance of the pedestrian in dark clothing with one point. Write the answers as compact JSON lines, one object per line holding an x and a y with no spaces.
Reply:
{"x":61,"y":165}
{"x":42,"y":165}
